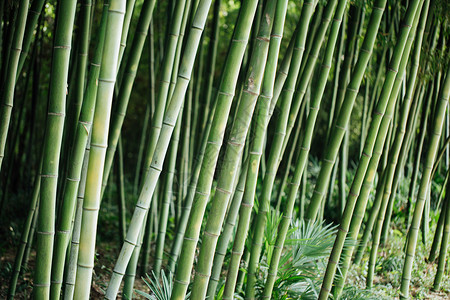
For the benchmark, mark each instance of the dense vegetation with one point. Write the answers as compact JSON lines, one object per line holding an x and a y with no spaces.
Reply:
{"x":224,"y":149}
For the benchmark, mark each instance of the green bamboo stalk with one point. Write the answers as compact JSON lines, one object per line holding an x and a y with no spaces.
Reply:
{"x":256,"y":150}
{"x":215,"y":139}
{"x":393,"y":166}
{"x":130,"y":273}
{"x":213,"y":43}
{"x":164,"y":84}
{"x":75,"y":101}
{"x":34,"y":13}
{"x":187,"y":203}
{"x":24,"y":238}
{"x":306,"y":73}
{"x":167,"y":198}
{"x":52,"y":147}
{"x":69,"y":280}
{"x":121,"y":193}
{"x":408,"y":96}
{"x":100,"y":127}
{"x":152,"y":176}
{"x":75,"y":164}
{"x":125,"y":29}
{"x":423,"y":189}
{"x":444,"y":245}
{"x":233,"y":152}
{"x":8,"y":87}
{"x":374,"y":146}
{"x":338,"y":62}
{"x":149,"y":109}
{"x":439,"y":230}
{"x":304,"y":150}
{"x":294,"y":146}
{"x":226,"y":235}
{"x":126,"y":85}
{"x":380,"y":189}
{"x":168,"y":185}
{"x":281,"y":75}
{"x":369,"y":149}
{"x":194,"y":91}
{"x":340,"y":126}
{"x":277,"y":143}
{"x":392,"y":163}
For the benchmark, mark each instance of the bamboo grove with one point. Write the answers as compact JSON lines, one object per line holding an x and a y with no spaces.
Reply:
{"x":203,"y":149}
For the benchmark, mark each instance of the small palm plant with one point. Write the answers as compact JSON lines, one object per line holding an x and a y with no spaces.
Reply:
{"x":159,"y":289}
{"x":304,"y":260}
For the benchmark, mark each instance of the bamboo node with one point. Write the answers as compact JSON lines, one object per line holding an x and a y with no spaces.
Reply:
{"x":255,"y":153}
{"x":328,"y":161}
{"x":251,"y":93}
{"x":263,"y":39}
{"x":106,"y":80}
{"x":365,"y":154}
{"x":201,"y":274}
{"x":202,"y":193}
{"x":119,"y":273}
{"x":34,"y":12}
{"x":246,"y":204}
{"x":55,"y":114}
{"x":56,"y":281}
{"x":190,"y":239}
{"x":120,"y":12}
{"x":235,"y":144}
{"x":49,"y":176}
{"x":210,"y":234}
{"x":129,"y":242}
{"x":85,"y":266}
{"x":61,"y":47}
{"x":340,"y":127}
{"x":332,"y":261}
{"x":343,"y":230}
{"x":41,"y":284}
{"x":225,"y":94}
{"x":181,"y":282}
{"x":46,"y":232}
{"x":393,"y":70}
{"x":98,"y":145}
{"x":239,"y":41}
{"x":181,"y":76}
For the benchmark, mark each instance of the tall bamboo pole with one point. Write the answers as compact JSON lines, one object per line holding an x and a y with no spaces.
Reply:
{"x":8,"y":87}
{"x":233,"y":151}
{"x":215,"y":139}
{"x":99,"y":140}
{"x":277,"y":144}
{"x":306,"y":144}
{"x":52,"y":147}
{"x":170,"y":118}
{"x":342,"y":120}
{"x":424,"y":185}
